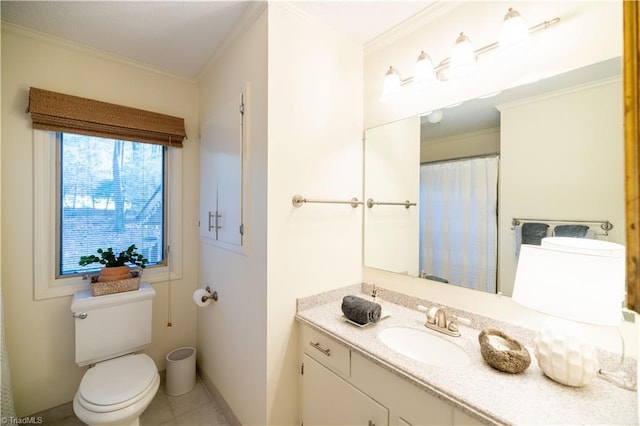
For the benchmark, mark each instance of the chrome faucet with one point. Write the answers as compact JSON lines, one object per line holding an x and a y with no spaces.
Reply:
{"x":439,"y":320}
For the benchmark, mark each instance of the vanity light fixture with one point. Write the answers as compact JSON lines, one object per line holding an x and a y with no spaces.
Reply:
{"x":424,"y":74}
{"x":514,"y":36}
{"x":463,"y":58}
{"x":580,"y":280}
{"x":514,"y":31}
{"x":392,"y":82}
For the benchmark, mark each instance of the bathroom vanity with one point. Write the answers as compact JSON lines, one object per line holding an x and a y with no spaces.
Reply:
{"x":349,"y":376}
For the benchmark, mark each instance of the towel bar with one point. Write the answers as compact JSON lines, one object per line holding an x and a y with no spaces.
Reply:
{"x":605,"y":225}
{"x":406,"y":204}
{"x":299,"y":200}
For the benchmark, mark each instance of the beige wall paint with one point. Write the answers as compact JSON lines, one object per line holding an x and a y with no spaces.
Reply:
{"x":480,"y":142}
{"x":40,"y":334}
{"x":315,"y":150}
{"x":306,"y":139}
{"x":570,"y":142}
{"x":232,"y":333}
{"x":392,"y":173}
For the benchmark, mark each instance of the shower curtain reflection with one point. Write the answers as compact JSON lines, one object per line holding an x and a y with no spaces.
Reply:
{"x":458,"y":221}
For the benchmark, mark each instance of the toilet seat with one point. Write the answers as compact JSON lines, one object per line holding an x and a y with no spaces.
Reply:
{"x":118,"y":383}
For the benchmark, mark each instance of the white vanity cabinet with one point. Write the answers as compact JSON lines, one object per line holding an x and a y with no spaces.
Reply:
{"x":340,"y":387}
{"x":330,"y":400}
{"x":328,"y":397}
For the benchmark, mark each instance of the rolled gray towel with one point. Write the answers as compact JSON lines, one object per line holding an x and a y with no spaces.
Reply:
{"x":434,"y":278}
{"x":533,"y":233}
{"x":575,"y":231}
{"x":360,"y":311}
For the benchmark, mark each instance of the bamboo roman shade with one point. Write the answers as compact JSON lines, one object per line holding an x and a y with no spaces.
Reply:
{"x":65,"y":113}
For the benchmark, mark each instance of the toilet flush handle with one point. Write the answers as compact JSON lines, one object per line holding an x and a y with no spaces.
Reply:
{"x":80,"y":315}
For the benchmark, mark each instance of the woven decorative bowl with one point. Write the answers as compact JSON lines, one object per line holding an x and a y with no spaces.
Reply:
{"x":109,"y":287}
{"x":101,"y":288}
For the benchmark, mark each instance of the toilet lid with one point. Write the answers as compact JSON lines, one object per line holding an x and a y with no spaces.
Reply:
{"x":115,"y":381}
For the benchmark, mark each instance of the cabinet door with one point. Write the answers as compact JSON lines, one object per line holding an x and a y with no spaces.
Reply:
{"x":223,"y":168}
{"x":407,"y":403}
{"x":330,"y":400}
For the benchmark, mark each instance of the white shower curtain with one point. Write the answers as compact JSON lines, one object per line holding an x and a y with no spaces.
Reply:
{"x":458,"y":222}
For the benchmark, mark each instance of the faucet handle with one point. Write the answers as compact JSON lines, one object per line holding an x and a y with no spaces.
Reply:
{"x":432,"y":313}
{"x":453,"y":322}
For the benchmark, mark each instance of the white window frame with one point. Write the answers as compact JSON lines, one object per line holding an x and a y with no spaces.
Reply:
{"x":46,"y":286}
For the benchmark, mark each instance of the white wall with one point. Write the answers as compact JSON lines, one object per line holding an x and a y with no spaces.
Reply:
{"x":40,"y":334}
{"x":315,"y":150}
{"x":232,"y":333}
{"x":392,"y":173}
{"x":570,"y":142}
{"x":306,"y":139}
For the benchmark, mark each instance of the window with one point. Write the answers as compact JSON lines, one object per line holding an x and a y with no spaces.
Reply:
{"x":46,"y":262}
{"x":111,"y":193}
{"x":71,"y":184}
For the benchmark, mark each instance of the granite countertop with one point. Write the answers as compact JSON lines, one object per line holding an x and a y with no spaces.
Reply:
{"x":477,"y":389}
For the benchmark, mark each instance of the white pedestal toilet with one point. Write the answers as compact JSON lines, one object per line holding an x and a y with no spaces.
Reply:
{"x":109,"y":329}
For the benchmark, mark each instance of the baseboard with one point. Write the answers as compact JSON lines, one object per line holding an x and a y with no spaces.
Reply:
{"x":217,"y":397}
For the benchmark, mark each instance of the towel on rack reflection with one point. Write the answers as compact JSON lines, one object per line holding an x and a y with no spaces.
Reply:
{"x":360,"y":310}
{"x":530,"y":233}
{"x":533,"y":233}
{"x":575,"y":231}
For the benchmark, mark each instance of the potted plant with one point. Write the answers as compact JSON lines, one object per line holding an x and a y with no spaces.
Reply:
{"x":116,"y":267}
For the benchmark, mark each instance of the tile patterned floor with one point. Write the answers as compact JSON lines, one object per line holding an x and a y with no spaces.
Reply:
{"x":195,"y":408}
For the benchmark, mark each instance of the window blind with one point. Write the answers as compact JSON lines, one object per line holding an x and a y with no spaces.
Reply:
{"x":72,"y":114}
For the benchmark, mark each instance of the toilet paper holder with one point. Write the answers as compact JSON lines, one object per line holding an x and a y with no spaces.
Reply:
{"x":212,"y":295}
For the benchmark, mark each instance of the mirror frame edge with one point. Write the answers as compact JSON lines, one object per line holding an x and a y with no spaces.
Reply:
{"x":631,"y":16}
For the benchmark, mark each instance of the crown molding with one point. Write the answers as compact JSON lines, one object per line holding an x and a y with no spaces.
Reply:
{"x":248,"y":18}
{"x":409,"y":25}
{"x":292,"y":8}
{"x":560,"y":92}
{"x":83,"y":48}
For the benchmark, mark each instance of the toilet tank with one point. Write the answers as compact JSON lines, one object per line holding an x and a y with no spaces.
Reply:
{"x":114,"y":324}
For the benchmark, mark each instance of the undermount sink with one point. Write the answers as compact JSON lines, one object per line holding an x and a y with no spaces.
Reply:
{"x":424,"y":346}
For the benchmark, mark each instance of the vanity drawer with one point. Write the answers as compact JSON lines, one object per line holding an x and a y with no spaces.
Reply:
{"x":326,"y":351}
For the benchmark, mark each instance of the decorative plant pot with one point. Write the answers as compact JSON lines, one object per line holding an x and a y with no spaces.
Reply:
{"x":114,"y":273}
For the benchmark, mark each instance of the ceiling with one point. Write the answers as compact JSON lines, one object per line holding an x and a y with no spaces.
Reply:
{"x":181,"y":36}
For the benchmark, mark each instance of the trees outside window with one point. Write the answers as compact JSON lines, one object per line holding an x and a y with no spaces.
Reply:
{"x":111,"y":193}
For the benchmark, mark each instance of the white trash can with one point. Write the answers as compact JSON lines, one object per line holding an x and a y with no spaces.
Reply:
{"x":181,"y":371}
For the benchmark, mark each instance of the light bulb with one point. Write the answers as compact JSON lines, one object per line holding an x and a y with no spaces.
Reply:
{"x":463,"y":58}
{"x":424,"y":74}
{"x":391,"y":83}
{"x":514,"y":33}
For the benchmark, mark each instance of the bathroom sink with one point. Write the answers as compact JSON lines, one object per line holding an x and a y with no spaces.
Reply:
{"x":424,"y":346}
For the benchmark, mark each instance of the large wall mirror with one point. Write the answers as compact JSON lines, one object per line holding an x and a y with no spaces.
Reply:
{"x":547,"y":152}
